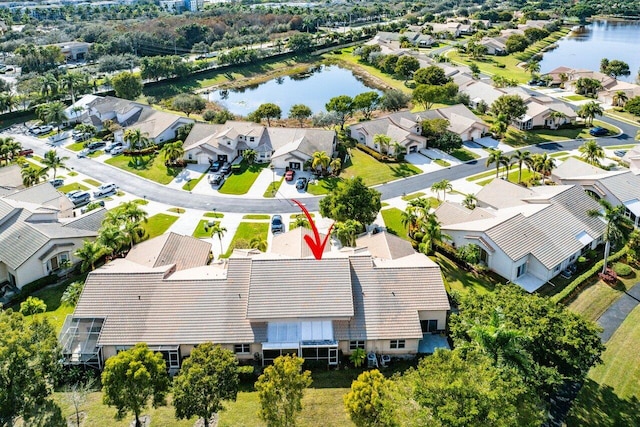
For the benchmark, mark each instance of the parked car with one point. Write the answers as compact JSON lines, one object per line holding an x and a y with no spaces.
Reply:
{"x":25,"y":152}
{"x":116,"y":150}
{"x":83,"y":153}
{"x":58,"y":182}
{"x":80,"y":198}
{"x":620,"y":153}
{"x":226,"y":169}
{"x":93,"y":205}
{"x":39,"y":130}
{"x":598,"y":131}
{"x":95,"y":146}
{"x":288,"y":176}
{"x":80,"y":136}
{"x":277,"y":226}
{"x":216,"y":179}
{"x":105,"y":189}
{"x":112,"y":146}
{"x":301,"y":183}
{"x":215,"y":166}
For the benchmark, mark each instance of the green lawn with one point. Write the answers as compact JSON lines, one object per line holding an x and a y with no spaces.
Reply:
{"x":322,"y":186}
{"x":72,"y":187}
{"x":213,"y":215}
{"x":413,"y":196}
{"x":56,"y":313}
{"x":575,"y":98}
{"x":517,"y":138}
{"x":158,"y":224}
{"x":374,"y":172}
{"x":442,"y":163}
{"x":256,"y":216}
{"x":461,"y":280}
{"x":610,"y":395}
{"x":489,"y":65}
{"x":141,"y":201}
{"x":245,"y":232}
{"x":513,"y":176}
{"x":149,"y":167}
{"x":240,"y":182}
{"x":393,"y":221}
{"x":176,"y":210}
{"x":190,"y":185}
{"x":76,"y":146}
{"x":464,"y":155}
{"x":200,"y":231}
{"x":92,"y":182}
{"x":272,"y":189}
{"x":72,"y":173}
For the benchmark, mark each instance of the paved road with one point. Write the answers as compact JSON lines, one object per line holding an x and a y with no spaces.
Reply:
{"x":240,"y":204}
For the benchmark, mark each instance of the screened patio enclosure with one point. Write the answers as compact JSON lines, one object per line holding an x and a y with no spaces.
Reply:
{"x":312,"y":340}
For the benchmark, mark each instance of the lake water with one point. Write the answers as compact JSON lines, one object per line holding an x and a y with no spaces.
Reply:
{"x":313,"y":89}
{"x":600,"y":39}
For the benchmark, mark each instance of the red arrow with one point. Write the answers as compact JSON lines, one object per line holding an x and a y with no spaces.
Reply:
{"x":316,"y":246}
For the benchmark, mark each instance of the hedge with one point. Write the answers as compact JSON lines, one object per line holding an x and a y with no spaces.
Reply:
{"x":581,"y":280}
{"x":373,"y":153}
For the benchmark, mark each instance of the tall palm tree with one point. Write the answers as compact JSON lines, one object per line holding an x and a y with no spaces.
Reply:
{"x":444,"y":186}
{"x":258,"y":243}
{"x":48,"y":85}
{"x":31,"y":176}
{"x":218,"y":230}
{"x":409,"y":219}
{"x":320,"y":159}
{"x":470,"y":201}
{"x":619,"y":98}
{"x":431,"y":227}
{"x":557,"y":117}
{"x":136,"y":138}
{"x":8,"y":101}
{"x":132,"y":212}
{"x":543,"y":164}
{"x":9,"y":149}
{"x":498,"y":157}
{"x":70,"y":81}
{"x":52,"y":112}
{"x":347,"y":231}
{"x":134,"y":232}
{"x":399,"y":150}
{"x":564,"y":77}
{"x":533,"y":67}
{"x":112,"y":238}
{"x":51,"y":160}
{"x":590,"y":111}
{"x":172,"y":151}
{"x":614,"y":218}
{"x":521,"y":157}
{"x":383,"y":142}
{"x":250,"y":155}
{"x":591,"y":152}
{"x":89,"y":253}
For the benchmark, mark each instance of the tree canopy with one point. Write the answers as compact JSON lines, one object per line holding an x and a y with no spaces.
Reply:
{"x":351,"y":199}
{"x":267,"y":111}
{"x":369,"y":403}
{"x":511,"y":106}
{"x":341,"y":105}
{"x":431,"y":75}
{"x":127,"y":85}
{"x":188,"y":103}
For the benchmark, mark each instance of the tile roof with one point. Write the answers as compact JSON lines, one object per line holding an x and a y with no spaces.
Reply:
{"x":625,"y":186}
{"x":91,"y":221}
{"x":292,"y":243}
{"x":43,"y":194}
{"x":11,"y":177}
{"x":385,"y":245}
{"x":171,"y":248}
{"x":573,"y":168}
{"x":502,"y":194}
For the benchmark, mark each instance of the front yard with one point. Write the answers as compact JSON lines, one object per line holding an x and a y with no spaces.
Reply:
{"x":518,"y":138}
{"x":245,"y":232}
{"x":158,"y":224}
{"x":241,"y":181}
{"x":149,"y":166}
{"x":374,"y":172}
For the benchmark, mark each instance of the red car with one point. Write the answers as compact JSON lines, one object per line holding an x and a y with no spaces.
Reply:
{"x":288,"y":176}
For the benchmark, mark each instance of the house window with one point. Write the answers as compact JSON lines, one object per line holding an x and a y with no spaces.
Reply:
{"x":242,"y":348}
{"x":353,"y":345}
{"x":522,"y":269}
{"x":190,"y":156}
{"x":56,"y":262}
{"x":395,"y":344}
{"x":252,"y":139}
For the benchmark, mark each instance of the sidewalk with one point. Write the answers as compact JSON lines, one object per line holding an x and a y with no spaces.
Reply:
{"x":611,"y":320}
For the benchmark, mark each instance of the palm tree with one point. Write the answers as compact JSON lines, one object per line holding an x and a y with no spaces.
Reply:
{"x":533,"y":67}
{"x":521,"y":157}
{"x":136,"y":138}
{"x":444,"y":186}
{"x":258,"y":243}
{"x":134,"y":231}
{"x":409,"y":219}
{"x":399,"y":150}
{"x":590,"y":111}
{"x":69,"y":81}
{"x":382,"y":141}
{"x":614,"y":218}
{"x":72,"y":294}
{"x":320,"y":159}
{"x":470,"y":201}
{"x":48,"y":85}
{"x":564,"y":77}
{"x":31,"y":176}
{"x":431,"y":228}
{"x":499,"y":126}
{"x":591,"y":152}
{"x":543,"y":164}
{"x":52,"y":112}
{"x":619,"y":98}
{"x":112,"y":238}
{"x":347,"y":231}
{"x":9,"y":149}
{"x":132,"y":212}
{"x":89,"y":253}
{"x":557,"y":117}
{"x":300,"y":221}
{"x":172,"y":151}
{"x":218,"y":230}
{"x":335,"y":166}
{"x":496,"y":156}
{"x":8,"y":101}
{"x":51,"y":160}
{"x":250,"y":156}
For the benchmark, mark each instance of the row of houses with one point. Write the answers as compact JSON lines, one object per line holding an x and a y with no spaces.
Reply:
{"x":380,"y":296}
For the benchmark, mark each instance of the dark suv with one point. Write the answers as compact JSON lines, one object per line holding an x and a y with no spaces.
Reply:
{"x":277,"y":226}
{"x":599,"y":131}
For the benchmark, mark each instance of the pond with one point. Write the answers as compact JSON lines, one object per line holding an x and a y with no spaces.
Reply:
{"x":600,"y":39}
{"x":313,"y":89}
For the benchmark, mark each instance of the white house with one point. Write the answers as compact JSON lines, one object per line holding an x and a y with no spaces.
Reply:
{"x":384,"y":298}
{"x":526,"y":235}
{"x":616,"y":187}
{"x":543,"y":111}
{"x":283,"y":147}
{"x":453,"y":28}
{"x":494,"y":45}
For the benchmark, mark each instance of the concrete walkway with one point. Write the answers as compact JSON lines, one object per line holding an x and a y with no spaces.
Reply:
{"x":611,"y":320}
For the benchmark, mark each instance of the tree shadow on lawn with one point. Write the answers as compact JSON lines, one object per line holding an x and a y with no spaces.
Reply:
{"x":599,"y":406}
{"x":402,"y":170}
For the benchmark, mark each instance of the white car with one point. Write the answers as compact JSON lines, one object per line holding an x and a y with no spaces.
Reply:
{"x":116,"y":150}
{"x":105,"y":189}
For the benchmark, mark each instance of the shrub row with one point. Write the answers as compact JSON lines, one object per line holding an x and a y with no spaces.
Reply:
{"x":584,"y":278}
{"x":148,"y":150}
{"x":373,"y":153}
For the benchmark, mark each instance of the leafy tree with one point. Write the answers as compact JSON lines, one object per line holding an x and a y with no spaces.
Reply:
{"x":452,"y":390}
{"x":591,"y":152}
{"x":188,"y":103}
{"x":394,"y":100}
{"x":127,"y":85}
{"x":427,"y":95}
{"x":511,"y":106}
{"x":431,"y":75}
{"x":589,"y":111}
{"x":633,"y":255}
{"x":405,"y":66}
{"x":351,"y":199}
{"x":475,"y":70}
{"x":614,"y":218}
{"x":447,"y":141}
{"x":89,"y":253}
{"x":433,"y":128}
{"x":534,"y":34}
{"x":207,"y":379}
{"x":516,"y":43}
{"x":370,"y":403}
{"x":32,"y":305}
{"x":366,"y":102}
{"x":280,"y":389}
{"x":72,"y":293}
{"x":614,"y":68}
{"x":582,"y":11}
{"x":633,"y":106}
{"x":300,"y":42}
{"x":561,"y":345}
{"x":267,"y":111}
{"x":469,"y":253}
{"x":51,"y":160}
{"x":343,"y":107}
{"x":132,"y":378}
{"x":29,"y":356}
{"x":300,"y":112}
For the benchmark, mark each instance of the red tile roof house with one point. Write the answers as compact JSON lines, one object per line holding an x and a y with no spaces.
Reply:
{"x":381,"y":296}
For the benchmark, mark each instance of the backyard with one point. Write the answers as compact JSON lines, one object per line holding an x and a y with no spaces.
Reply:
{"x":148,"y":166}
{"x":245,"y":232}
